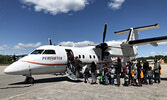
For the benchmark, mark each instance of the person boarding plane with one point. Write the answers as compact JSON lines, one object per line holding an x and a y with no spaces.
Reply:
{"x":52,"y":59}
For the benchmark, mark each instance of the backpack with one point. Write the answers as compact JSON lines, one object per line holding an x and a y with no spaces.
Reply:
{"x":127,"y":70}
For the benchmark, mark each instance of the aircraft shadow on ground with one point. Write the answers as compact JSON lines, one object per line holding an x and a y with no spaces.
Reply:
{"x":16,"y":87}
{"x":164,"y":78}
{"x":47,"y":80}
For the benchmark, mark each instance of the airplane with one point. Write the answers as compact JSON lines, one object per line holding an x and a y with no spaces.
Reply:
{"x":53,"y":59}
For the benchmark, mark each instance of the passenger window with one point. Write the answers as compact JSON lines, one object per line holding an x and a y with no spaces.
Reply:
{"x":49,"y":52}
{"x":94,"y":56}
{"x":83,"y":56}
{"x":79,"y":56}
{"x":90,"y":56}
{"x":37,"y":51}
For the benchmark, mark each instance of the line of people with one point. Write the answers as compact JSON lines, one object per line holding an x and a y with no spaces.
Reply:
{"x":133,"y":74}
{"x":144,"y":74}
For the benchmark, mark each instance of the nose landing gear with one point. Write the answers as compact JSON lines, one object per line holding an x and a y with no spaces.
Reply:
{"x":29,"y":80}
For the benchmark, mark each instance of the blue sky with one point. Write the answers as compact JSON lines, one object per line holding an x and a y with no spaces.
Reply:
{"x":27,"y":24}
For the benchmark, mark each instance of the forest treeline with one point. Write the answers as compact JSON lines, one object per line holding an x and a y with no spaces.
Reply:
{"x":5,"y":59}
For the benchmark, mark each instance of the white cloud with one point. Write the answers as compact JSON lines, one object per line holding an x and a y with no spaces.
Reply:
{"x":115,"y":4}
{"x":153,"y":53}
{"x":4,"y":47}
{"x":29,"y":45}
{"x":86,"y":43}
{"x":78,"y":44}
{"x":57,"y":6}
{"x":20,"y":46}
{"x":162,"y":43}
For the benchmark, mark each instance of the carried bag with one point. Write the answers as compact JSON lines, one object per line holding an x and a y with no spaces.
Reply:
{"x":160,"y":72}
{"x":141,"y":74}
{"x":101,"y":79}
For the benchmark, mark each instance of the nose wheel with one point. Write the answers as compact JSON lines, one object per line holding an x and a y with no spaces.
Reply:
{"x":29,"y":80}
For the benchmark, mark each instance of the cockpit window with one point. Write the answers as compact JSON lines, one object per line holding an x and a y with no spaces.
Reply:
{"x":49,"y":52}
{"x":37,"y":51}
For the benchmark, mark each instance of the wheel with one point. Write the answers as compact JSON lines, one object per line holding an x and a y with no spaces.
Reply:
{"x":29,"y":80}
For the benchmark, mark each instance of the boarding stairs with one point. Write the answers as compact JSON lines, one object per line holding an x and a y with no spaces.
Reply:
{"x":70,"y":74}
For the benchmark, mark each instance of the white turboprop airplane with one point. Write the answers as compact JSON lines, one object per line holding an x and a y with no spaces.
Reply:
{"x":51,"y":59}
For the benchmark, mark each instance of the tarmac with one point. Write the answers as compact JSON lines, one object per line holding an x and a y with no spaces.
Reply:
{"x":51,"y":87}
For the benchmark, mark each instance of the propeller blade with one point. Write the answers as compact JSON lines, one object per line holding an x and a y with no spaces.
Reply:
{"x":50,"y":41}
{"x":104,"y":33}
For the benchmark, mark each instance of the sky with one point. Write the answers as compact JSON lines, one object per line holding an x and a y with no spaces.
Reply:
{"x":27,"y":24}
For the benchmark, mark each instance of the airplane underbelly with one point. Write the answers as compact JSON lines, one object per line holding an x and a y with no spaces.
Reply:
{"x":49,"y":69}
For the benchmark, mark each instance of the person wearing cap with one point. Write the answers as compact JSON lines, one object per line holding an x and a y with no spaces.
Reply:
{"x":77,"y":64}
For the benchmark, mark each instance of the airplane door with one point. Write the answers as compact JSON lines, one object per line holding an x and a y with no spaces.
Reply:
{"x":70,"y":55}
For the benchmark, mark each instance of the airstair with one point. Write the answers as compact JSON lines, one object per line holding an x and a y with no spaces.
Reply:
{"x":70,"y":74}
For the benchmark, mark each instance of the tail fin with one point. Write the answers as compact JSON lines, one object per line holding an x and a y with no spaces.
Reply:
{"x":133,"y":32}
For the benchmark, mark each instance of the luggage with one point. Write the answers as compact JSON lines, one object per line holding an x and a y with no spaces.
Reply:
{"x":101,"y":79}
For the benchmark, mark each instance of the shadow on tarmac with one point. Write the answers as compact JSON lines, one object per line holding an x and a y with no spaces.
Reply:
{"x":17,"y":87}
{"x":48,"y":80}
{"x":164,"y":79}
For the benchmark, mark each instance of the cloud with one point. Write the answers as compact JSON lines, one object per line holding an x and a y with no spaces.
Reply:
{"x":153,"y":53}
{"x":86,"y":43}
{"x":78,"y":44}
{"x":20,"y":46}
{"x":57,"y":6}
{"x":162,"y":43}
{"x":4,"y":47}
{"x":115,"y":4}
{"x":29,"y":45}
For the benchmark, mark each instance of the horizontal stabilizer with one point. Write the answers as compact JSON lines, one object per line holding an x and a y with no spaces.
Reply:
{"x":138,"y":29}
{"x":152,"y":41}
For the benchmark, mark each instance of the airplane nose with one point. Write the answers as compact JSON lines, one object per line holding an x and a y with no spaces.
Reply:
{"x":16,"y":68}
{"x":10,"y":70}
{"x":7,"y":70}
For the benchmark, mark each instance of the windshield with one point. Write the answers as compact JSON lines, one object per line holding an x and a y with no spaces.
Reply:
{"x":49,"y":52}
{"x":37,"y":51}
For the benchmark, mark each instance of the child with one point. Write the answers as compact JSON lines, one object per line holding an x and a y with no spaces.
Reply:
{"x":112,"y":73}
{"x":150,"y":75}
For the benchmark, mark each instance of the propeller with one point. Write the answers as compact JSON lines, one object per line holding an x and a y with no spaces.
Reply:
{"x":103,"y":46}
{"x":104,"y":33}
{"x":50,"y":41}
